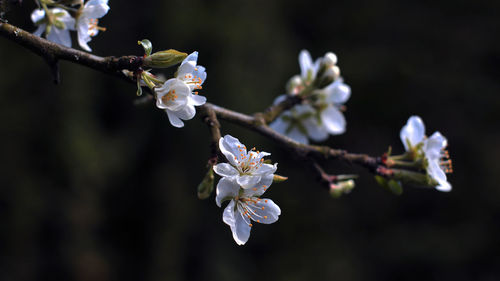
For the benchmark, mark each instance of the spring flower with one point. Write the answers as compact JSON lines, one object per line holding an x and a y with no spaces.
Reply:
{"x":245,"y":168}
{"x":175,"y":97}
{"x":317,"y":118}
{"x":86,"y":23}
{"x":245,"y":206}
{"x":176,"y":94}
{"x":59,"y":25}
{"x":432,"y":149}
{"x":300,"y":123}
{"x":194,"y":75}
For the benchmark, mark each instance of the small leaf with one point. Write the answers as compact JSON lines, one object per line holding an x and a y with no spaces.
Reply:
{"x":395,"y":187}
{"x":206,"y":186}
{"x":278,"y":179}
{"x":147,"y":45}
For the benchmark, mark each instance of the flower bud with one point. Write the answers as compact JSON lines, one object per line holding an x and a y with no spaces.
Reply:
{"x":328,"y":76}
{"x":278,"y":179}
{"x":164,"y":59}
{"x":330,"y":59}
{"x":206,"y":186}
{"x":294,"y":85}
{"x":336,"y":190}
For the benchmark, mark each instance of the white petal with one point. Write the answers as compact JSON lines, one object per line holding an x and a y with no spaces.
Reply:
{"x":266,"y":169}
{"x":231,"y":148}
{"x":59,"y":36}
{"x":248,"y":181}
{"x":67,"y":19}
{"x":439,"y":175}
{"x":201,"y":73}
{"x":264,"y":211}
{"x":197,"y":100}
{"x":184,"y":71}
{"x":241,"y":228}
{"x":259,"y":188}
{"x":226,"y":189}
{"x":186,"y":113}
{"x":305,"y":62}
{"x":95,"y":9}
{"x":413,"y":131}
{"x":297,"y":136}
{"x":83,"y":35}
{"x":279,"y":125}
{"x":333,"y":120}
{"x":174,"y":120}
{"x":37,"y":15}
{"x":279,"y":99}
{"x":191,"y":58}
{"x":314,"y":130}
{"x":434,"y":145}
{"x":40,"y":29}
{"x":225,"y":170}
{"x":338,"y":92}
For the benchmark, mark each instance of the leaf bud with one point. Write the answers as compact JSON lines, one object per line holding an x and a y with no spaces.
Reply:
{"x":206,"y":186}
{"x":164,"y":59}
{"x":278,"y":179}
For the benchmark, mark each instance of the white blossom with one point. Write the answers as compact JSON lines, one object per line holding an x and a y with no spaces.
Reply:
{"x":176,"y":96}
{"x":61,"y":24}
{"x":245,"y":168}
{"x":86,"y":23}
{"x":245,"y":206}
{"x":433,"y":150}
{"x":315,"y":119}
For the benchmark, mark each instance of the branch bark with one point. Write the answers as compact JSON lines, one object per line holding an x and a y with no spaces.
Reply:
{"x":52,"y":53}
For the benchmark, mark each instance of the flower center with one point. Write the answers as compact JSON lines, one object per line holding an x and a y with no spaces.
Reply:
{"x":445,"y":162}
{"x":247,"y":207}
{"x":170,"y":96}
{"x":93,"y":27}
{"x":194,"y":80}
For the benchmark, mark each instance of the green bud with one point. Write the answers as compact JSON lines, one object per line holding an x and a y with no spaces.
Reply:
{"x":147,"y":45}
{"x":278,"y":179}
{"x":164,"y":59}
{"x":206,"y":186}
{"x":391,"y":185}
{"x":336,"y":190}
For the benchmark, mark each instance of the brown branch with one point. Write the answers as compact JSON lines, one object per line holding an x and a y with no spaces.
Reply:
{"x":53,"y":52}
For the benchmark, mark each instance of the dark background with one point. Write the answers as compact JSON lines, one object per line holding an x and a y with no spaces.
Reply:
{"x":93,"y":187}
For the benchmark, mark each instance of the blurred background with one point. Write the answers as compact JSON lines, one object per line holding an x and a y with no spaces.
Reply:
{"x":93,"y":187}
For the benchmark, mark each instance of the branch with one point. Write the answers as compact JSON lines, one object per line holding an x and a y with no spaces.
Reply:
{"x":53,"y":52}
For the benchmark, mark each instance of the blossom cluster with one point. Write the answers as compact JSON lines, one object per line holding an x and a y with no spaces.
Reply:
{"x":56,"y":23}
{"x":320,"y":115}
{"x":244,"y":179}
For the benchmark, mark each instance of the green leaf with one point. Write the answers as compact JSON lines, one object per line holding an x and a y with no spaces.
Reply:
{"x":147,"y":45}
{"x":395,"y":187}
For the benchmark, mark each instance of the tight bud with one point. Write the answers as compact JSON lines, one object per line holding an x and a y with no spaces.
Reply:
{"x":330,"y":59}
{"x":164,"y":59}
{"x":336,"y":190}
{"x":330,"y":74}
{"x":294,"y":85}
